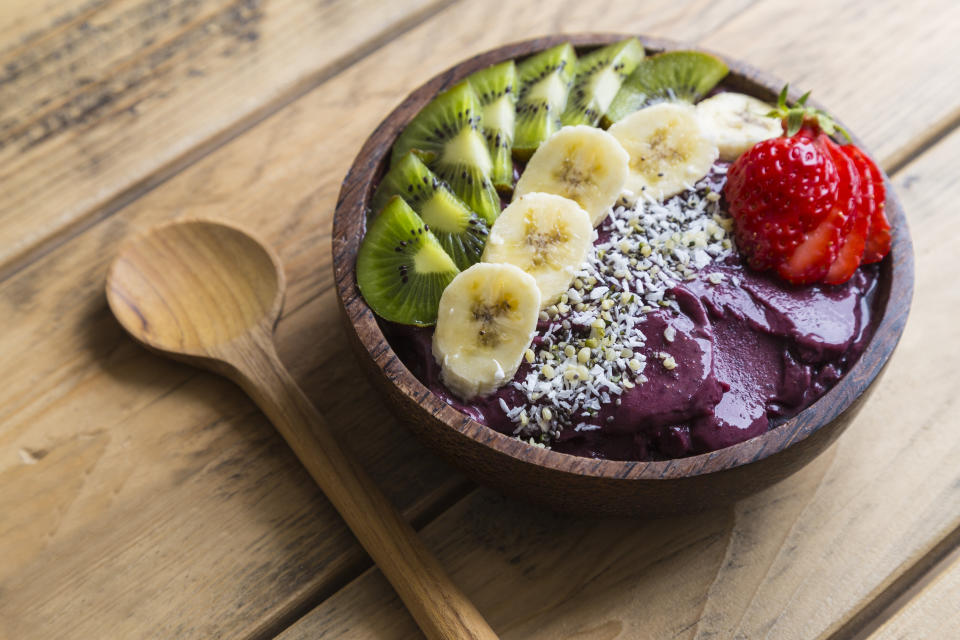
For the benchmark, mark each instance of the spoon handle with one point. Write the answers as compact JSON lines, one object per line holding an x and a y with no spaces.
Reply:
{"x":440,"y":609}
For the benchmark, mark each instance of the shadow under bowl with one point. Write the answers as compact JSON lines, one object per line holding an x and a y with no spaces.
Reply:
{"x":574,"y":484}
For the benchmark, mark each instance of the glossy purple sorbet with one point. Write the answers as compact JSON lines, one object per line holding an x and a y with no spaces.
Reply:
{"x":729,"y":353}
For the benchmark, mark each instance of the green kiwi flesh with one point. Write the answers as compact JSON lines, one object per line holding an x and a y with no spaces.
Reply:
{"x":675,"y":75}
{"x":460,"y":231}
{"x":599,"y":75}
{"x":544,"y":82}
{"x":448,"y":133}
{"x":401,"y":267}
{"x":496,"y":88}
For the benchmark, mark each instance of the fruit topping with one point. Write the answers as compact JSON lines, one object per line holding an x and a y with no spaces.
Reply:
{"x":461,"y":232}
{"x":582,"y":163}
{"x":448,"y":133}
{"x":673,"y":76}
{"x":487,"y":318}
{"x":778,"y":193}
{"x":800,"y":201}
{"x":812,"y":258}
{"x":401,"y":267}
{"x":544,"y":81}
{"x":599,"y":75}
{"x":546,"y":235}
{"x":496,"y":88}
{"x":668,"y":149}
{"x":878,"y":236}
{"x":735,"y":122}
{"x":853,"y":233}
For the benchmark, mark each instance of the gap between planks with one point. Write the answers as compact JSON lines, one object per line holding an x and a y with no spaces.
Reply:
{"x":162,"y":174}
{"x":889,"y":602}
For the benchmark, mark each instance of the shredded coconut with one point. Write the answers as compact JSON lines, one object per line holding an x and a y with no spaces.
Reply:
{"x":588,"y":355}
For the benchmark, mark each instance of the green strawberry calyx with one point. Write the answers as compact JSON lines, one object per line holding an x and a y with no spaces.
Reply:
{"x":800,"y":115}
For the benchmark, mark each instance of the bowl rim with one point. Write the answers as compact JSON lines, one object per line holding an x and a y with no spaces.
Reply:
{"x":894,"y":293}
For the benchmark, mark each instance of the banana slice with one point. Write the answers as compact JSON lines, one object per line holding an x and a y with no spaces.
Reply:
{"x":668,"y":149}
{"x":487,"y":317}
{"x":547,"y":236}
{"x":736,"y":122}
{"x":582,"y":163}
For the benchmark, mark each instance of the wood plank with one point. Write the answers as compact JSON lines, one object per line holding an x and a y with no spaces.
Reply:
{"x":109,"y":98}
{"x":147,"y":499}
{"x":799,"y":560}
{"x":932,"y":613}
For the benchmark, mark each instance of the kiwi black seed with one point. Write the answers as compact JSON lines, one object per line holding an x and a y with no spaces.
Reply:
{"x":599,"y":75}
{"x":401,"y":267}
{"x":496,"y":88}
{"x":676,"y":75}
{"x":461,"y":232}
{"x":448,"y":134}
{"x":544,"y":83}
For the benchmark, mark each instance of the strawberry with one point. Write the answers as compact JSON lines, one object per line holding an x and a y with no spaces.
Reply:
{"x":854,"y":238}
{"x":879,"y":237}
{"x":803,"y":205}
{"x":812,"y":260}
{"x":778,"y":192}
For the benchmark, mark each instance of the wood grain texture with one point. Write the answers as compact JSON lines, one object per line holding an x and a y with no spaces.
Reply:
{"x":573,"y":484}
{"x":932,"y":613}
{"x":149,"y":500}
{"x":109,"y":98}
{"x":806,"y":558}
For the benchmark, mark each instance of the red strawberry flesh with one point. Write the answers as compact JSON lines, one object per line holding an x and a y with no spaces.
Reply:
{"x":854,"y":234}
{"x":879,"y":237}
{"x":778,"y":192}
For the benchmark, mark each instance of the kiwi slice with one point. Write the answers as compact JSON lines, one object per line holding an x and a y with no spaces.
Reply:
{"x":401,"y":267}
{"x":675,"y":75}
{"x":599,"y":75}
{"x":461,"y":232}
{"x":447,"y":132}
{"x":544,"y":83}
{"x":496,"y":88}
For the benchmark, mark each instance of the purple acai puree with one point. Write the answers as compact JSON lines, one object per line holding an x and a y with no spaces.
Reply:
{"x":727,"y":354}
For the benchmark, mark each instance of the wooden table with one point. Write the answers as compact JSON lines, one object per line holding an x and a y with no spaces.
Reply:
{"x":144,"y":499}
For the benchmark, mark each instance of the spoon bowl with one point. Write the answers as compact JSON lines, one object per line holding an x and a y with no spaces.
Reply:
{"x":160,"y":279}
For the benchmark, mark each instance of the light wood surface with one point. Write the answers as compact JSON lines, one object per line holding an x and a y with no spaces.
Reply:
{"x":142,"y":499}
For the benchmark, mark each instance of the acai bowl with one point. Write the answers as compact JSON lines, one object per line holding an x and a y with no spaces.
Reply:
{"x":587,"y":483}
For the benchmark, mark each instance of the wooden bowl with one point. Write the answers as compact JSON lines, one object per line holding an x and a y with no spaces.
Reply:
{"x":581,"y":485}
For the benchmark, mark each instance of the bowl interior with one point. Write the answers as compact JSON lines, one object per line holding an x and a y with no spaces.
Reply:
{"x":891,"y":304}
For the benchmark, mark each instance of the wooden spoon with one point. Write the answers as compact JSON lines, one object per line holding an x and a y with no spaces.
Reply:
{"x":210,"y":294}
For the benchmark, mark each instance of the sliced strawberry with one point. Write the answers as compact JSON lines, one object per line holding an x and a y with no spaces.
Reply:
{"x":778,"y":192}
{"x":812,"y":258}
{"x":851,"y":253}
{"x":854,"y":234}
{"x":879,"y":237}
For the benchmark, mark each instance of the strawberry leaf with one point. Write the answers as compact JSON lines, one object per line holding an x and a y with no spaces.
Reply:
{"x":794,"y":121}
